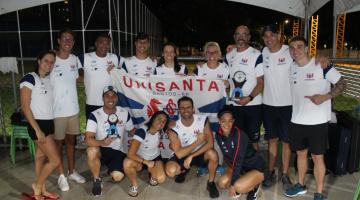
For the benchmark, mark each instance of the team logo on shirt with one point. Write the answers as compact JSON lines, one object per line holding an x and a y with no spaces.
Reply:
{"x":219,"y":76}
{"x":309,"y":76}
{"x":197,"y":132}
{"x":244,"y":60}
{"x":281,"y":61}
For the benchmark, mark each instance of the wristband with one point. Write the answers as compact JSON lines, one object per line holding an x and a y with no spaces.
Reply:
{"x":251,"y":97}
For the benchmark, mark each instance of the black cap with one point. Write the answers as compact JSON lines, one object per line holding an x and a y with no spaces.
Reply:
{"x":272,"y":27}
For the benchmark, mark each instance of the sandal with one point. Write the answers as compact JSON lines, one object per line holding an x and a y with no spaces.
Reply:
{"x":153,"y":182}
{"x":133,"y":191}
{"x":51,"y":196}
{"x":37,"y":197}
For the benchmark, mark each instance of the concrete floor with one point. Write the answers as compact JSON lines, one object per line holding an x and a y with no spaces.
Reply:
{"x":15,"y":179}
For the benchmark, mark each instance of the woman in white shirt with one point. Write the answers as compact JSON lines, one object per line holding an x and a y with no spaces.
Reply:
{"x":168,"y":64}
{"x":144,"y":152}
{"x":36,"y":102}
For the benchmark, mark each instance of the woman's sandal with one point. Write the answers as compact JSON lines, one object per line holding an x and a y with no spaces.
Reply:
{"x":133,"y":191}
{"x":38,"y":197}
{"x":153,"y":182}
{"x":51,"y":196}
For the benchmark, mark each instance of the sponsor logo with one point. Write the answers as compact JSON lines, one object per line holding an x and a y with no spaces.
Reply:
{"x":309,"y":76}
{"x":281,"y":61}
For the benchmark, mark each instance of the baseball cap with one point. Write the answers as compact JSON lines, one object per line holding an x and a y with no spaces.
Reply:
{"x":108,"y":89}
{"x":272,"y":27}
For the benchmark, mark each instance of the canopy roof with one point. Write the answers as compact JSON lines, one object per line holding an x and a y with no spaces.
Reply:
{"x":7,"y":6}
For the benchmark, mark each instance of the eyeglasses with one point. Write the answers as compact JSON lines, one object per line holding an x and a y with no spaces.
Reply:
{"x":241,"y":34}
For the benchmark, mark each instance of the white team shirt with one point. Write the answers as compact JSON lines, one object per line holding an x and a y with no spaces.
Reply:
{"x":167,"y":71}
{"x":309,"y":80}
{"x":96,"y":76}
{"x":164,"y":145}
{"x":221,"y":72}
{"x":248,"y":66}
{"x":149,"y":148}
{"x":276,"y":68}
{"x":41,"y":103}
{"x":63,"y":79}
{"x":137,"y":67}
{"x":98,"y":123}
{"x":188,"y":134}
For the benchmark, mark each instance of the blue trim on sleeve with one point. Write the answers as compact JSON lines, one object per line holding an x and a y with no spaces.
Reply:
{"x":259,"y":60}
{"x":128,"y":117}
{"x":327,"y":69}
{"x":124,"y":67}
{"x":141,"y":133}
{"x":155,"y":72}
{"x":92,"y":117}
{"x":28,"y":78}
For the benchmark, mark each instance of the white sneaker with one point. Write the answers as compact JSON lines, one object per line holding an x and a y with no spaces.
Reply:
{"x":63,"y":183}
{"x":76,"y":177}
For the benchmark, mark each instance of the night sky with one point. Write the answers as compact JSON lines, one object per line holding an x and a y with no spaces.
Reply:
{"x":193,"y":22}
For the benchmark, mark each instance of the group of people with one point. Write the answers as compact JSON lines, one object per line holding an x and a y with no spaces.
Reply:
{"x":281,"y":87}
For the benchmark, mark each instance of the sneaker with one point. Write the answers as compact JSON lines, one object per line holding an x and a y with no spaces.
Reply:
{"x":153,"y":182}
{"x":202,"y":171}
{"x":253,"y":194}
{"x":97,"y":186}
{"x":133,"y":191}
{"x":220,"y":169}
{"x":63,"y":183}
{"x":270,"y":177}
{"x":318,"y":196}
{"x":181,"y":177}
{"x":295,"y":190}
{"x":286,"y":181}
{"x":213,"y":191}
{"x":75,"y":176}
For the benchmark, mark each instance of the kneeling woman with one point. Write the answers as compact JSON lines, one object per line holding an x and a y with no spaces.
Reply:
{"x":144,"y":151}
{"x":245,"y":165}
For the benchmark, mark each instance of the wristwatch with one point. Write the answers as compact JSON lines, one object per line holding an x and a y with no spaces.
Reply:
{"x":251,"y":97}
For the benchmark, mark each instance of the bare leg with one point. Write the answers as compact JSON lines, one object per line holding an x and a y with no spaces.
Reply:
{"x":131,"y":168}
{"x":212,"y":157}
{"x":225,"y":179}
{"x":302,"y":165}
{"x":319,"y":171}
{"x":248,"y":181}
{"x":59,"y":144}
{"x":286,"y":155}
{"x":172,"y":169}
{"x":70,"y":151}
{"x":272,"y":153}
{"x":93,"y":155}
{"x":158,"y":172}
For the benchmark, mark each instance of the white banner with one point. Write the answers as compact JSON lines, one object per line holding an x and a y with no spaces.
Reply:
{"x":144,"y":96}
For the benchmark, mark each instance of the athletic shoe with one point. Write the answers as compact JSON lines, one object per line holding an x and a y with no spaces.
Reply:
{"x":319,"y":196}
{"x":253,"y":194}
{"x":63,"y":183}
{"x":97,"y":186}
{"x":181,"y":177}
{"x":133,"y":191}
{"x":75,"y":176}
{"x":295,"y":190}
{"x":270,"y":177}
{"x":202,"y":171}
{"x":220,"y":169}
{"x":213,"y":191}
{"x":286,"y":182}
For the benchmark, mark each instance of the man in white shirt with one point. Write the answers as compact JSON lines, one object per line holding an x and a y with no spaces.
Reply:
{"x":311,"y":99}
{"x":193,"y":144}
{"x":105,"y":132}
{"x":140,"y":64}
{"x":246,"y":84}
{"x":66,"y":106}
{"x":97,"y":66}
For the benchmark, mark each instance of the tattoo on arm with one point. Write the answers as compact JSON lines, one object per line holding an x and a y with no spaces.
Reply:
{"x":338,"y":88}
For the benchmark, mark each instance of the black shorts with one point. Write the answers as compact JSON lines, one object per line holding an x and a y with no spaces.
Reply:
{"x":312,"y":137}
{"x":197,"y":161}
{"x":46,"y":126}
{"x":89,"y":109}
{"x":276,"y":122}
{"x":248,"y":118}
{"x":112,"y":159}
{"x":155,"y":159}
{"x":254,"y":163}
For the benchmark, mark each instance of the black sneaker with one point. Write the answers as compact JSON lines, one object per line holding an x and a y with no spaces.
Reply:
{"x":97,"y":185}
{"x":270,"y":177}
{"x":253,"y":194}
{"x":181,"y":177}
{"x":286,"y":182}
{"x":213,"y":191}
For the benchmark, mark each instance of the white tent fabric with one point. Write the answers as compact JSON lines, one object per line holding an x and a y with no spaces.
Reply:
{"x":7,"y":6}
{"x":297,"y":7}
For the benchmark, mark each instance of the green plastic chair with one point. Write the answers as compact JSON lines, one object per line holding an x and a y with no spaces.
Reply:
{"x":357,"y":192}
{"x":20,"y":132}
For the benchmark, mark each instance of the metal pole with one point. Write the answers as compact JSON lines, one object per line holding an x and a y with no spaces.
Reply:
{"x":82,"y":25}
{"x":131,"y":28}
{"x":20,"y":43}
{"x":126,"y":34}
{"x":118,"y":26}
{"x":50,"y":26}
{"x":110,"y":28}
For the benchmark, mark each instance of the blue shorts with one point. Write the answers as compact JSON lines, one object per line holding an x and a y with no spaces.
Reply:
{"x":277,"y":122}
{"x":113,"y":159}
{"x":248,"y":118}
